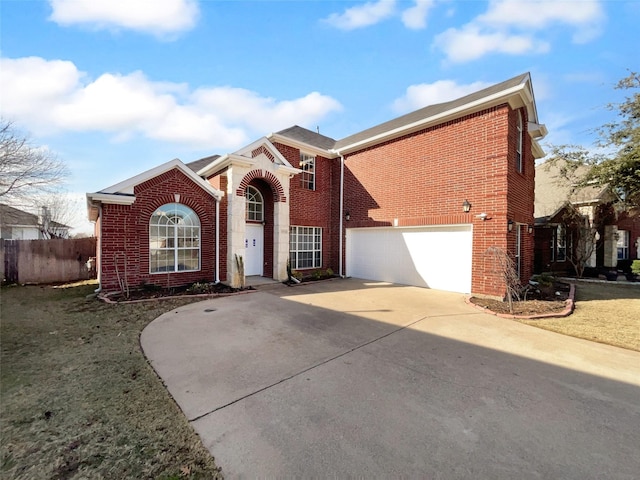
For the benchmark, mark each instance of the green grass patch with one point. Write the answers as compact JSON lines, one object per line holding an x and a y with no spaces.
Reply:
{"x":79,"y":400}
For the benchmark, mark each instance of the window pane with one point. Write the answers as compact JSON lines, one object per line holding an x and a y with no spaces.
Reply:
{"x":174,"y":231}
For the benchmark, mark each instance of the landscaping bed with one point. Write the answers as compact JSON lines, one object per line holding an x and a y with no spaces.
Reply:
{"x":536,"y":301}
{"x":154,"y":292}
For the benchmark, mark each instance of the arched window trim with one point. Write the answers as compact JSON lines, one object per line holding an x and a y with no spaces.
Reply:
{"x":174,"y":239}
{"x":520,"y":130}
{"x":255,"y":205}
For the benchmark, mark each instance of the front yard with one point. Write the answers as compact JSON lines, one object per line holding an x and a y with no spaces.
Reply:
{"x":605,"y":312}
{"x":78,"y":397}
{"x":80,"y":401}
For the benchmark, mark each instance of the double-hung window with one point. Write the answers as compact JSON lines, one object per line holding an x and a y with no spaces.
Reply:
{"x":174,"y":239}
{"x":623,"y":245}
{"x":561,"y":244}
{"x":308,"y":175}
{"x":305,"y":247}
{"x":520,"y":131}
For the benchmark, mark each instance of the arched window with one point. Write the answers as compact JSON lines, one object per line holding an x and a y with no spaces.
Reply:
{"x":255,"y":204}
{"x":519,"y":162}
{"x":174,"y":239}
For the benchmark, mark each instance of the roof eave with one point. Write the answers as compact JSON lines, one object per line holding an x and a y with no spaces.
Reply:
{"x":505,"y":96}
{"x":306,"y":147}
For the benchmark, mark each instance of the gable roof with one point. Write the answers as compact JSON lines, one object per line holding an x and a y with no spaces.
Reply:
{"x":13,"y":216}
{"x":552,"y":194}
{"x":517,"y":91}
{"x":123,"y":193}
{"x":309,"y":137}
{"x":197,"y":165}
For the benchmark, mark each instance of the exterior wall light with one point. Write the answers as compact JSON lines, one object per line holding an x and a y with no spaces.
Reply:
{"x":529,"y":229}
{"x":347,"y":216}
{"x":466,"y":206}
{"x":510,"y":225}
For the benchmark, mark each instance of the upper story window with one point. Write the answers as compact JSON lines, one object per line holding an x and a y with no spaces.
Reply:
{"x":255,"y":204}
{"x":308,"y":175}
{"x":520,"y":132}
{"x":174,"y":239}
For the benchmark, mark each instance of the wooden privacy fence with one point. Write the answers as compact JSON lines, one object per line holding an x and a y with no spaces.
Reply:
{"x":47,"y":261}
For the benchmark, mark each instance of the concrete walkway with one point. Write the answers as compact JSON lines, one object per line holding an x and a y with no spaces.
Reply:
{"x":350,"y":378}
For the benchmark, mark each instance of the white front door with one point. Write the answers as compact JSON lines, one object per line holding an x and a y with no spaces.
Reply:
{"x":254,"y":248}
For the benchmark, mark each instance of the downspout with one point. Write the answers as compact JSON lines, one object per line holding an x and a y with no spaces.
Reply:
{"x":99,"y":259}
{"x":217,"y":240}
{"x":340,"y":246}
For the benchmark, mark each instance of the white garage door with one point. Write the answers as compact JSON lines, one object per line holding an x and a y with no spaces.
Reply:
{"x":433,"y":257}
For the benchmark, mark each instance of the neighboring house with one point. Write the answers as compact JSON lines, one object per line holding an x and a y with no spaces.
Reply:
{"x":616,"y":242}
{"x":17,"y":224}
{"x":417,"y":200}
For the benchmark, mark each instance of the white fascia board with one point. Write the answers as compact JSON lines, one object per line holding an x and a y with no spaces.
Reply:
{"x":537,"y":130}
{"x":478,"y":105}
{"x":127,"y":187}
{"x":303,"y":147}
{"x":111,"y":198}
{"x":224,"y":162}
{"x":537,"y":150}
{"x":270,"y":146}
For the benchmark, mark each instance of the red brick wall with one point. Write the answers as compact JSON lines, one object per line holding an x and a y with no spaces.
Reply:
{"x":312,"y":208}
{"x":423,"y":179}
{"x":125,"y":233}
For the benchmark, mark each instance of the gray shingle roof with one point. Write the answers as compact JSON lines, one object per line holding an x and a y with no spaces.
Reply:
{"x":552,"y":192}
{"x":197,"y":165}
{"x":307,"y":136}
{"x":13,"y":216}
{"x":429,"y":111}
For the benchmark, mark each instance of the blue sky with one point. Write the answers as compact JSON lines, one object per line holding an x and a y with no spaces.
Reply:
{"x":115,"y":87}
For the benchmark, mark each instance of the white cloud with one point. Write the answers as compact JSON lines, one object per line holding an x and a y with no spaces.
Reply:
{"x":362,"y":15}
{"x":471,"y":43}
{"x":132,"y":104}
{"x":418,"y":96}
{"x":539,"y":15}
{"x":510,"y":27}
{"x":158,"y":17}
{"x":415,"y":17}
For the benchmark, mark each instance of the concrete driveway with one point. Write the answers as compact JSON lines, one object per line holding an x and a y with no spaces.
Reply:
{"x":348,"y":378}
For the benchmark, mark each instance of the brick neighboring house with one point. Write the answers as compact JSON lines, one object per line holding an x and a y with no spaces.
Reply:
{"x":416,"y":200}
{"x":617,"y":241}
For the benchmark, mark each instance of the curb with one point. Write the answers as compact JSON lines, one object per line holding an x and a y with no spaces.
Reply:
{"x":568,"y":309}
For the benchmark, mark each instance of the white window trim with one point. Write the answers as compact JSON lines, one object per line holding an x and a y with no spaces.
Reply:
{"x":294,"y":231}
{"x":519,"y":158}
{"x":559,"y":229}
{"x":176,"y":248}
{"x":308,"y":159}
{"x":622,"y":244}
{"x":259,"y":202}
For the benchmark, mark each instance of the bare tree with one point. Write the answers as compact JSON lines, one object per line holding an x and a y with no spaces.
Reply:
{"x":26,"y":169}
{"x":506,"y":268}
{"x":583,"y":232}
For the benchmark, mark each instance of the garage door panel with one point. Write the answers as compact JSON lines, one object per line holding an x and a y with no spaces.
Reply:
{"x":433,"y":257}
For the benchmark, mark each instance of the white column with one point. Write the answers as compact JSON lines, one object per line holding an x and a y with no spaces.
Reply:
{"x":235,"y":225}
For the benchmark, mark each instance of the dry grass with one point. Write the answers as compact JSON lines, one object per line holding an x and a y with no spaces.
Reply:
{"x":78,"y":397}
{"x":605,"y":312}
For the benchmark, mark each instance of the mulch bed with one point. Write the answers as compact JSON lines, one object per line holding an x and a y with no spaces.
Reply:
{"x":543,"y":301}
{"x":157,"y":293}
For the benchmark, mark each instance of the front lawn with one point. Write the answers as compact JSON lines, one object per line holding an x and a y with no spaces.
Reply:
{"x":605,"y":312}
{"x":78,"y":397}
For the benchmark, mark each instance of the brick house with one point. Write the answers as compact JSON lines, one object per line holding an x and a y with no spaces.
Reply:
{"x":416,"y":200}
{"x":616,"y":238}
